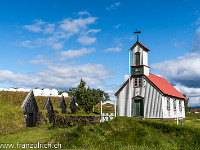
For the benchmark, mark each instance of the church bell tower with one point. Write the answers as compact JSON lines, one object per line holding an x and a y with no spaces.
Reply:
{"x":139,"y":58}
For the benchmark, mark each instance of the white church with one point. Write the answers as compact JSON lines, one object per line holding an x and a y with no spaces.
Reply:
{"x":146,"y":95}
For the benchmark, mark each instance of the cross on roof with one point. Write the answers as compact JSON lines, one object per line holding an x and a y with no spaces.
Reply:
{"x":137,"y":34}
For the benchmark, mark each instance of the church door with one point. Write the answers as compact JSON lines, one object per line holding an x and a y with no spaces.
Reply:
{"x":138,"y":106}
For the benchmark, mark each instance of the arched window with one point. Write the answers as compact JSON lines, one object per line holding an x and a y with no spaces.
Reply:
{"x":137,"y":58}
{"x":180,"y":105}
{"x":174,"y":104}
{"x":168,"y":104}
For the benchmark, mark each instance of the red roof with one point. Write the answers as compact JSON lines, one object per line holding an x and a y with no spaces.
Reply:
{"x":164,"y":86}
{"x":138,"y":43}
{"x":144,"y":46}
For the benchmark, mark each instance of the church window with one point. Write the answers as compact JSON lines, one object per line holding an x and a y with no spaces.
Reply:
{"x":137,"y":58}
{"x":180,"y":106}
{"x":174,"y":104}
{"x":138,"y":82}
{"x":168,"y":104}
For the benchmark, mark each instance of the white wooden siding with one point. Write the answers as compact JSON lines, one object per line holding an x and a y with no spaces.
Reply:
{"x":146,"y":70}
{"x":152,"y":100}
{"x":155,"y":104}
{"x":145,"y":58}
{"x":122,"y":101}
{"x":172,"y":113}
{"x":143,"y":55}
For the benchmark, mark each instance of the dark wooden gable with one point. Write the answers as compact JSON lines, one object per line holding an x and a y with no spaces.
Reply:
{"x":72,"y":105}
{"x":62,"y":105}
{"x":30,"y":109}
{"x":49,"y":107}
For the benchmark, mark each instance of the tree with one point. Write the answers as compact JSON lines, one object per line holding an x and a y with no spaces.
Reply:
{"x":106,"y":97}
{"x":99,"y":96}
{"x":86,"y":98}
{"x":83,"y":97}
{"x":88,"y":101}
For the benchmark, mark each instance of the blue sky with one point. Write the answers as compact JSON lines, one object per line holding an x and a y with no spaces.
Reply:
{"x":54,"y":43}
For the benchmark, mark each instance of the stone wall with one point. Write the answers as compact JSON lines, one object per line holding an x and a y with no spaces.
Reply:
{"x":67,"y":121}
{"x":41,"y":119}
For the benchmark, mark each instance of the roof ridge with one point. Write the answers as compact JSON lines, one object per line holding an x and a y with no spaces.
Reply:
{"x":145,"y":48}
{"x":164,"y":86}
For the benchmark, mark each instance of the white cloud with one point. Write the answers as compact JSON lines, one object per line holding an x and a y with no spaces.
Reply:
{"x":117,"y":49}
{"x":41,"y":60}
{"x":51,"y":41}
{"x":197,"y":22}
{"x":26,"y":43}
{"x":39,"y":43}
{"x":55,"y":34}
{"x":117,"y":26}
{"x":182,"y":70}
{"x":185,"y":69}
{"x":70,"y":54}
{"x":178,"y":44}
{"x":83,"y":13}
{"x":86,"y":40}
{"x":126,"y":76}
{"x":92,"y":31}
{"x":118,"y":41}
{"x":113,"y":6}
{"x":15,"y":78}
{"x":57,"y":46}
{"x":36,"y":27}
{"x":192,"y":93}
{"x":49,"y":28}
{"x":196,"y":41}
{"x":64,"y":55}
{"x":75,"y":25}
{"x":111,"y":90}
{"x":111,"y":93}
{"x":59,"y":76}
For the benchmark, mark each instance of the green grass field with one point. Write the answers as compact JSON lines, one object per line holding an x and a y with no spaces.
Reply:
{"x":120,"y":133}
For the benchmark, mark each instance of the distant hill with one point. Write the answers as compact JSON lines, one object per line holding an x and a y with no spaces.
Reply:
{"x":195,"y":107}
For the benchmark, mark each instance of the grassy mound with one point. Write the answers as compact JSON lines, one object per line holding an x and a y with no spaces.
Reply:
{"x":11,"y":114}
{"x":130,"y":133}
